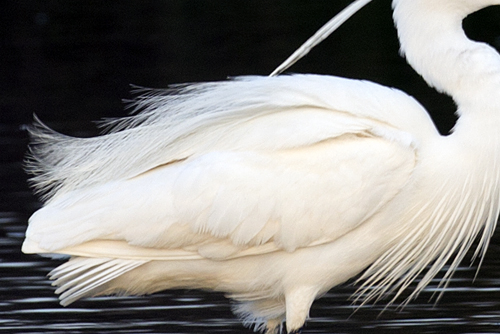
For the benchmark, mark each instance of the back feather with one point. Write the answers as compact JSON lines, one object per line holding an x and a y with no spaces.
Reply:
{"x":187,"y":120}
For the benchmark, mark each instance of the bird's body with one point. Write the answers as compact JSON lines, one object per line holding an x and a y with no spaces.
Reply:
{"x":275,"y":189}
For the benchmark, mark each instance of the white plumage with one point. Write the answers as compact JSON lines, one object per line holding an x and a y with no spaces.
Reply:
{"x":275,"y":189}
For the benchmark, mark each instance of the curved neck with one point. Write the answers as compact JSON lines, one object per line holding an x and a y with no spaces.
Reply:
{"x":435,"y":45}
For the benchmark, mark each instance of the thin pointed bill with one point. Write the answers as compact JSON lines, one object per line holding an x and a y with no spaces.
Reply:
{"x":321,"y":34}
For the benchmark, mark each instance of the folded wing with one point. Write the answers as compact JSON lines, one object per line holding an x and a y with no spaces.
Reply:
{"x":237,"y":168}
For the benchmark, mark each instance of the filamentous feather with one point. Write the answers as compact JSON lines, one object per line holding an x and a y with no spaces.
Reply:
{"x":432,"y":245}
{"x":187,"y":120}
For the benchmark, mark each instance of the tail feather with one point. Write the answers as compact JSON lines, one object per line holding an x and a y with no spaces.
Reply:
{"x":86,"y":277}
{"x":69,"y":269}
{"x":76,"y":283}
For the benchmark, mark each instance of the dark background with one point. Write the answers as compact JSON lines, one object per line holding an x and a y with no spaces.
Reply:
{"x":72,"y":62}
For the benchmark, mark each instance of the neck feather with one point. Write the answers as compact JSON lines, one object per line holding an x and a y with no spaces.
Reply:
{"x":435,"y":45}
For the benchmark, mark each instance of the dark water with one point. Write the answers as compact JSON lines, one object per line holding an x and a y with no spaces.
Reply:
{"x":71,"y":62}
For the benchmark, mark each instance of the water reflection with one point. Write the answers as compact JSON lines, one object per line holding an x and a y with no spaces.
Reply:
{"x":70,"y":63}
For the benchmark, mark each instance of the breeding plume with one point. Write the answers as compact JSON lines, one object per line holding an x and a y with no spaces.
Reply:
{"x":275,"y":189}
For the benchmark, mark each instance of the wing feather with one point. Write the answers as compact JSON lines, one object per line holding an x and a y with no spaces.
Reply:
{"x":293,"y":198}
{"x":228,"y":169}
{"x":189,"y":120}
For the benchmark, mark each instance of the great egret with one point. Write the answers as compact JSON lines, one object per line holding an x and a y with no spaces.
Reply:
{"x":275,"y":189}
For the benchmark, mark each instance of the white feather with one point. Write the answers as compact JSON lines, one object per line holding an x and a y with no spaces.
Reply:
{"x":189,"y":120}
{"x":275,"y":189}
{"x":83,"y":277}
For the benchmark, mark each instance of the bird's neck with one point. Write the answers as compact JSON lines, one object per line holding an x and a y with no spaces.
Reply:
{"x":435,"y":45}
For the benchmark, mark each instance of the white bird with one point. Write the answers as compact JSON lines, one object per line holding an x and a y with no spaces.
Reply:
{"x":275,"y":189}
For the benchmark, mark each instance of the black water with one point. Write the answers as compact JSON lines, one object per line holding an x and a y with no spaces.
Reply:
{"x":71,"y":62}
